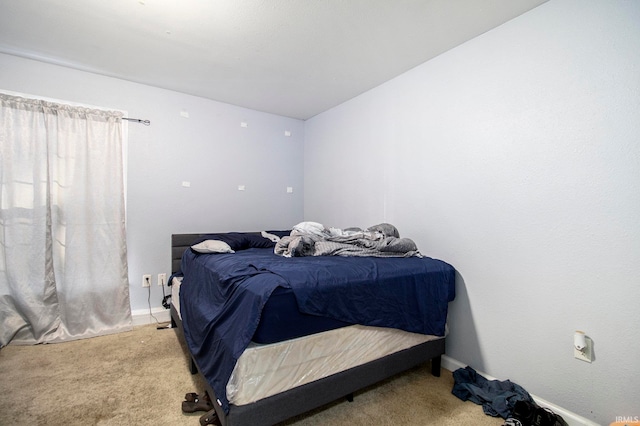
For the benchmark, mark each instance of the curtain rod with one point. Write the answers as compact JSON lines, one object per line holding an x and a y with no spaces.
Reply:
{"x":137,"y":120}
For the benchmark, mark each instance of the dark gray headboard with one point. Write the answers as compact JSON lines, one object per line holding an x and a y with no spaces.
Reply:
{"x":180,"y":243}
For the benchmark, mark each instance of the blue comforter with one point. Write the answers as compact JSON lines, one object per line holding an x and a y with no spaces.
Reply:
{"x":222,"y":296}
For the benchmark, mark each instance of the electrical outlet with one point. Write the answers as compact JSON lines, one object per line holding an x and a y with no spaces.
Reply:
{"x":162,"y":279}
{"x":586,"y":353}
{"x":146,"y":280}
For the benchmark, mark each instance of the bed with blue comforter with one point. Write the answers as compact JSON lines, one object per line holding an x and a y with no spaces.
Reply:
{"x":228,"y":300}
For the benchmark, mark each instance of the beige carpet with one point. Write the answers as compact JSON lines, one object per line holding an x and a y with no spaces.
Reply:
{"x":140,"y":378}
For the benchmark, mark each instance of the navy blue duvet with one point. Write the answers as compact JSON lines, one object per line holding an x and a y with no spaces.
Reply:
{"x":222,"y":296}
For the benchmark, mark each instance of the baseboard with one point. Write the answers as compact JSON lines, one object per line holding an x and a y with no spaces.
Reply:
{"x":143,"y":317}
{"x":571,"y":418}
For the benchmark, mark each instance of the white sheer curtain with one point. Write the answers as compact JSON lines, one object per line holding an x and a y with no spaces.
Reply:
{"x":63,"y":256}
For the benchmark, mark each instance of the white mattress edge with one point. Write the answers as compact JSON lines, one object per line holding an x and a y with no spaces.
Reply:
{"x":265,"y":370}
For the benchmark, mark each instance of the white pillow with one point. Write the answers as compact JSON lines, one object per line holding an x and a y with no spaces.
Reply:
{"x":212,"y":246}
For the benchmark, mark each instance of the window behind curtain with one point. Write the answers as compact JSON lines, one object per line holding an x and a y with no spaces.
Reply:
{"x":63,"y":257}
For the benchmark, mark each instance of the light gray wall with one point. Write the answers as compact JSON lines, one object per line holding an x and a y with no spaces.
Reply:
{"x":209,"y":149}
{"x":516,"y":158}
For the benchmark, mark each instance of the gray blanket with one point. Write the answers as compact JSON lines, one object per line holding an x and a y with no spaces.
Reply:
{"x":377,"y":241}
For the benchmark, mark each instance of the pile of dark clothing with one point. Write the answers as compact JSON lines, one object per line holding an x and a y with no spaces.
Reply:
{"x":502,"y":398}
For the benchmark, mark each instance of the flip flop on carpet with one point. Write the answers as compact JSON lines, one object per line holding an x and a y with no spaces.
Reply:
{"x":211,"y":418}
{"x":196,"y":403}
{"x":192,"y":396}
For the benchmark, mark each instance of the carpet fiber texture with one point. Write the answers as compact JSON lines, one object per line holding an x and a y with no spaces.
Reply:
{"x":141,"y":377}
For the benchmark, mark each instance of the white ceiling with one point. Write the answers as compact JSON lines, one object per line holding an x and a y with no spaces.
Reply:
{"x":294,"y":58}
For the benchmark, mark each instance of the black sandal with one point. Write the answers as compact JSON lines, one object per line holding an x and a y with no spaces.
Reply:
{"x":211,"y":418}
{"x":192,"y":396}
{"x":197,"y":404}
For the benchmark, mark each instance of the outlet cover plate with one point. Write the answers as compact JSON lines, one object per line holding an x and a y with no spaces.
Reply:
{"x":146,"y":280}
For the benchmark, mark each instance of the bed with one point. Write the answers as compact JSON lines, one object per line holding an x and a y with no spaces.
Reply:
{"x":270,"y":379}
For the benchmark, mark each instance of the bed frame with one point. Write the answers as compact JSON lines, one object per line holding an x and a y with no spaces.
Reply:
{"x":282,"y":406}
